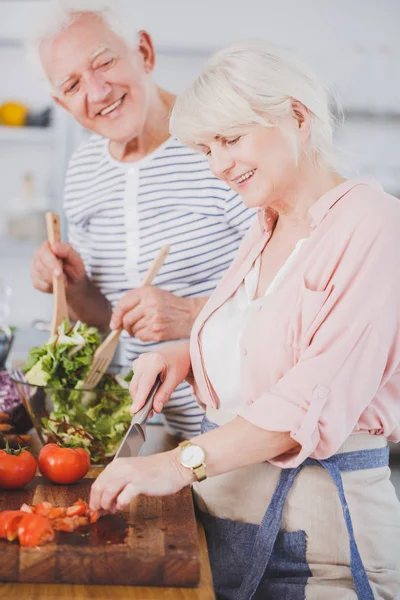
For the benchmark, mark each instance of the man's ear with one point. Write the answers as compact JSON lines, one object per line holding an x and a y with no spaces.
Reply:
{"x":302,"y":115}
{"x":146,"y":48}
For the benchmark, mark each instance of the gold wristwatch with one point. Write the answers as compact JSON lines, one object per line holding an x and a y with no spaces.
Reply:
{"x":193,"y":457}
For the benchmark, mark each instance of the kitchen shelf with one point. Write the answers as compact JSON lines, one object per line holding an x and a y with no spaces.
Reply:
{"x":28,"y":135}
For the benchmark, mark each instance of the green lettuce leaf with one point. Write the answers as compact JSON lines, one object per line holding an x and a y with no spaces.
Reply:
{"x":96,"y":420}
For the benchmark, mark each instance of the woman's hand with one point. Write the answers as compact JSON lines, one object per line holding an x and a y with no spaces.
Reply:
{"x":125,"y":478}
{"x":171,"y":363}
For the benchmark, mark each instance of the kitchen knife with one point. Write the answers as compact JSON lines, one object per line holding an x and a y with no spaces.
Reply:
{"x":136,"y":434}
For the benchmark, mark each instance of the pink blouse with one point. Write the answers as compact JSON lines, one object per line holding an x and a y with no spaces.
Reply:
{"x":321,"y":355}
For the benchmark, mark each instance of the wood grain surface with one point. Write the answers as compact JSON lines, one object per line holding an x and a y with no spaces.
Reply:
{"x":154,"y":543}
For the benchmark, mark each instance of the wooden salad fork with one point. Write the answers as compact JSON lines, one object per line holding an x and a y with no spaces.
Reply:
{"x":105,"y":352}
{"x":60,"y":306}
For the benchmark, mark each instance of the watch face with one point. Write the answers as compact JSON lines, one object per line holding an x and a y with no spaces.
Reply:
{"x":192,"y":456}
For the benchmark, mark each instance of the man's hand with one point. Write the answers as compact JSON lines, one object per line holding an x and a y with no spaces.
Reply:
{"x":154,"y":315}
{"x":45,"y":265}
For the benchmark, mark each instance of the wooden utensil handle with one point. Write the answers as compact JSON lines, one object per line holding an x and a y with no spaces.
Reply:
{"x":155,"y":266}
{"x":53,"y":227}
{"x":60,"y":310}
{"x":148,"y":278}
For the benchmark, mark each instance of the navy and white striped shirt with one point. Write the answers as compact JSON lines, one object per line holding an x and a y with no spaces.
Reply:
{"x":120,"y":214}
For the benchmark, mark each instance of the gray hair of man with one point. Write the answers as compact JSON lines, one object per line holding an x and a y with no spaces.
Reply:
{"x":255,"y":82}
{"x":57,"y":15}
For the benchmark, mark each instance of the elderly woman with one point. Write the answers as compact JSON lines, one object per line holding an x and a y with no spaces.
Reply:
{"x":296,"y":356}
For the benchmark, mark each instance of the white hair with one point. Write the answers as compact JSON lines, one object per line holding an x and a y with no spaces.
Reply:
{"x":58,"y":15}
{"x":253,"y":82}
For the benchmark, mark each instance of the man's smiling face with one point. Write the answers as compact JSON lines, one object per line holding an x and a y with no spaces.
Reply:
{"x":98,"y":79}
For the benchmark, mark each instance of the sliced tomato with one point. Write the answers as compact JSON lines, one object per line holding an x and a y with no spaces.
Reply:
{"x":79,"y":508}
{"x":70,"y":523}
{"x":94,"y":516}
{"x":57,"y":512}
{"x":34,"y":530}
{"x":64,"y":524}
{"x":43,"y":509}
{"x":9,"y":522}
{"x":46,"y":509}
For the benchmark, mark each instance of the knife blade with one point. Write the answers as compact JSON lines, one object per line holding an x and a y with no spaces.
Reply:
{"x":135,"y":437}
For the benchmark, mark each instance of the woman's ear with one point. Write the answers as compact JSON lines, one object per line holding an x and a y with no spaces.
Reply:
{"x":301,"y":115}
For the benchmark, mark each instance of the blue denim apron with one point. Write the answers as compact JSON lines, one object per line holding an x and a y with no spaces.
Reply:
{"x":262,"y":562}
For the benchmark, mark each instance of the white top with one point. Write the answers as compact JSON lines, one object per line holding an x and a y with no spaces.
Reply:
{"x":222,"y":332}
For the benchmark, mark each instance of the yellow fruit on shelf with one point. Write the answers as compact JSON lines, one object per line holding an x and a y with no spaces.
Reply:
{"x":13,"y":114}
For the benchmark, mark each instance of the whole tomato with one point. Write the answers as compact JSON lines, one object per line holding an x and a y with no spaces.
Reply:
{"x":63,"y":465}
{"x":17,"y":468}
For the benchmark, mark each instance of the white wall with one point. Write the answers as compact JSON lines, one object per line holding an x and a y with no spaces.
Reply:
{"x":354,"y":44}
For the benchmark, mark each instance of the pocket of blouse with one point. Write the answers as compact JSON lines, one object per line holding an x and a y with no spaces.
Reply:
{"x":308,"y":314}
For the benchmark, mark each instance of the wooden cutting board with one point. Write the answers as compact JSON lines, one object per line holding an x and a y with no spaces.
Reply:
{"x":154,"y":543}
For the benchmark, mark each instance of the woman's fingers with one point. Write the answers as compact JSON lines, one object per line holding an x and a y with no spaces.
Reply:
{"x":125,"y":496}
{"x":110,"y":493}
{"x":164,"y":393}
{"x":145,"y":369}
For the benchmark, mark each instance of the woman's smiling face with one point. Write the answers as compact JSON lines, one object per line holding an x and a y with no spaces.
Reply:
{"x":257,"y":162}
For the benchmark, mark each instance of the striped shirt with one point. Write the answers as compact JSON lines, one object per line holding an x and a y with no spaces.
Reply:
{"x":120,"y":213}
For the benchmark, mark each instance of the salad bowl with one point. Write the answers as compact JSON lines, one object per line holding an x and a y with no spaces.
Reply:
{"x":51,"y":387}
{"x":96,"y":420}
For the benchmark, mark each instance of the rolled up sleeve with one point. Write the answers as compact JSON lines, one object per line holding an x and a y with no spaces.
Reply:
{"x":353,"y":353}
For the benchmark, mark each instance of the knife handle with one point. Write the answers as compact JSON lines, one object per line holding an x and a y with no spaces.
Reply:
{"x":144,"y":412}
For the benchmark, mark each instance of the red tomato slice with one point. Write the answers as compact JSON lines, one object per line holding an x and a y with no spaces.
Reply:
{"x":94,"y":516}
{"x":79,"y":508}
{"x":46,"y":509}
{"x":43,"y":509}
{"x":9,"y":522}
{"x":34,"y":530}
{"x":70,"y":523}
{"x":57,"y":512}
{"x":64,"y":524}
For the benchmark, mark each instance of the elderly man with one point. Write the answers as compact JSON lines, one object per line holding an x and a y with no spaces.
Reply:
{"x":130,"y":189}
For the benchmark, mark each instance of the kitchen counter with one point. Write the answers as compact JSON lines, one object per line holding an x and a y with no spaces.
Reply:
{"x":47,"y":591}
{"x":157,"y":441}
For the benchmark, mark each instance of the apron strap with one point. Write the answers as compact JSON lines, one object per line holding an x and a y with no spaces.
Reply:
{"x":271,"y":522}
{"x":266,"y":535}
{"x":360,"y":577}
